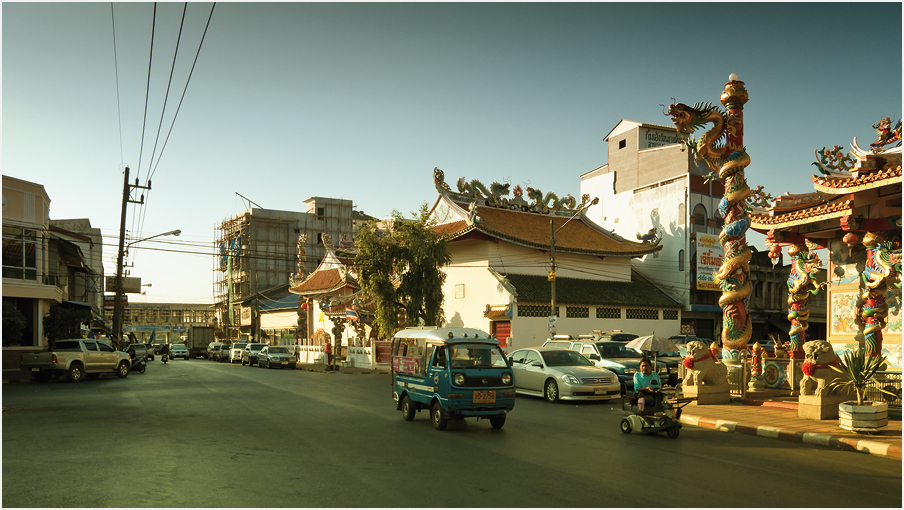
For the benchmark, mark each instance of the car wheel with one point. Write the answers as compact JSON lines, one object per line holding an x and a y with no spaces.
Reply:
{"x":75,"y":373}
{"x":673,"y":432}
{"x":498,"y":421}
{"x":551,"y":391}
{"x":407,"y":408}
{"x":122,"y":370}
{"x":141,"y":369}
{"x":436,"y":416}
{"x":626,"y":426}
{"x":243,"y":361}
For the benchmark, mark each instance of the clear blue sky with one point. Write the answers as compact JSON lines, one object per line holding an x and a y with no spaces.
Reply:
{"x":362,"y":101}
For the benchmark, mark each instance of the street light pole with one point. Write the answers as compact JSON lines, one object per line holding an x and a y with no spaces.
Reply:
{"x":585,"y":203}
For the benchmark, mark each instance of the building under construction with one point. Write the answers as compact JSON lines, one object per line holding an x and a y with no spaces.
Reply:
{"x":258,"y":255}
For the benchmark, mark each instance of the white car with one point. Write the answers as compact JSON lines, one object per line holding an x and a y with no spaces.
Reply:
{"x":561,"y":374}
{"x":178,"y":351}
{"x":235,"y":351}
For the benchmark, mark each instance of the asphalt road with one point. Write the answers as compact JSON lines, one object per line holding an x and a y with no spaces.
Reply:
{"x":204,"y":434}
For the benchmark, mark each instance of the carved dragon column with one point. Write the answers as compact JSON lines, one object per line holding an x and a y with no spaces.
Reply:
{"x":880,"y":270}
{"x":734,"y":275}
{"x":798,"y":299}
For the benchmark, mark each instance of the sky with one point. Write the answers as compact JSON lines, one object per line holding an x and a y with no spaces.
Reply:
{"x":361,"y":101}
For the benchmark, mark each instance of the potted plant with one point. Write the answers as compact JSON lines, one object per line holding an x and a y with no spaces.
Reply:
{"x":857,"y":371}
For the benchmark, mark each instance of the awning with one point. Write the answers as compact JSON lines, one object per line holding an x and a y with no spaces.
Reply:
{"x":71,"y":254}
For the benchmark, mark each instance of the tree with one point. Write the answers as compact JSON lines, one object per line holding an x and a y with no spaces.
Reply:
{"x":400,"y":269}
{"x":64,"y":322}
{"x":14,"y":324}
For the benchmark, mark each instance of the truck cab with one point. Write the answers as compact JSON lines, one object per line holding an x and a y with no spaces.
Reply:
{"x":454,"y":373}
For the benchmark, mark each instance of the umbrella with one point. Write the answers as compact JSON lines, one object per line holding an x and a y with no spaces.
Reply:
{"x":652,"y":343}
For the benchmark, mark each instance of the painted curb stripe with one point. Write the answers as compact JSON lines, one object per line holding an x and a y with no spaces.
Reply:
{"x":843,"y":443}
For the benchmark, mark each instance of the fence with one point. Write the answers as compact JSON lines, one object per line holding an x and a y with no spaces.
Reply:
{"x":889,"y":381}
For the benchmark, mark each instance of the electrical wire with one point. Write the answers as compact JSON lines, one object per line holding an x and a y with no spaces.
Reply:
{"x":116,"y":70}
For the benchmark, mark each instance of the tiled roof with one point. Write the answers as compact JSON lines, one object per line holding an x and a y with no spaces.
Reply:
{"x":320,"y":282}
{"x":532,"y":230}
{"x":574,"y":291}
{"x":842,"y":206}
{"x":876,"y":179}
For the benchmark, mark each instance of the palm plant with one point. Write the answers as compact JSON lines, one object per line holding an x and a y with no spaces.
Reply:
{"x":857,"y":371}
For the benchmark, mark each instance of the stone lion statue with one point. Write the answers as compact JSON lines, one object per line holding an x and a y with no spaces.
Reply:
{"x":701,"y":368}
{"x":818,"y":360}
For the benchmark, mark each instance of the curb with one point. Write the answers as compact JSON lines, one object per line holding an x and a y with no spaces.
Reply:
{"x":866,"y":446}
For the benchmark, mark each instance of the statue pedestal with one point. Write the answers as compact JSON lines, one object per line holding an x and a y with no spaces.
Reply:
{"x":812,"y":407}
{"x":709,"y":395}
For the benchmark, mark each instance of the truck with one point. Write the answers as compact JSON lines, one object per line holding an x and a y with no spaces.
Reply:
{"x":199,"y":337}
{"x":75,"y":358}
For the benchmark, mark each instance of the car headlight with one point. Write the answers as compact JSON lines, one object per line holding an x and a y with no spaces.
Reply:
{"x":506,"y":379}
{"x":570,"y":379}
{"x":459,"y":379}
{"x":630,"y":370}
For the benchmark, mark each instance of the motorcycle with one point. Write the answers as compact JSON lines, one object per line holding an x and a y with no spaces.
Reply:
{"x":139,"y":363}
{"x":164,"y":357}
{"x":662,"y":413}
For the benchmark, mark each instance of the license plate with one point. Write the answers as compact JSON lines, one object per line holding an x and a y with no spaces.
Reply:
{"x":285,"y":362}
{"x":35,"y":369}
{"x":600,"y":391}
{"x":484,"y":396}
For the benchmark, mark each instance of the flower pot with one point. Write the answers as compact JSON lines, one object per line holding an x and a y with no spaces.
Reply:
{"x":869,"y":417}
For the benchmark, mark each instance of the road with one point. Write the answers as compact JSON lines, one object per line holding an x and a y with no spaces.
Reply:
{"x":204,"y":434}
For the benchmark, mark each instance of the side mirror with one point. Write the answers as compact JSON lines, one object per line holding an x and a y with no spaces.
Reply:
{"x":593,"y":357}
{"x":511,"y":361}
{"x":538,"y":364}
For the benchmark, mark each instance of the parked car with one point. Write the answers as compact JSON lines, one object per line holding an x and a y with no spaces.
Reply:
{"x":178,"y":351}
{"x":235,"y":351}
{"x":150,"y":351}
{"x":561,"y":374}
{"x":210,"y":348}
{"x":249,"y":354}
{"x":157,"y":348}
{"x":606,"y":354}
{"x":215,"y":352}
{"x":76,"y":358}
{"x":277,"y":355}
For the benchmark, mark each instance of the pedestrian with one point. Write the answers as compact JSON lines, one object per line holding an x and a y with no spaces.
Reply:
{"x":297,"y":352}
{"x":328,"y":349}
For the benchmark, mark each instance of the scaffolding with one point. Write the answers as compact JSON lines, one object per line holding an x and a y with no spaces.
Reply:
{"x":256,"y":252}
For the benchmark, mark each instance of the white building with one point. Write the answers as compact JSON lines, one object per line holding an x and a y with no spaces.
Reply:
{"x":498,"y":280}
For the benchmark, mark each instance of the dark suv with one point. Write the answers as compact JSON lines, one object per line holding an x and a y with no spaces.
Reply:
{"x":249,"y":355}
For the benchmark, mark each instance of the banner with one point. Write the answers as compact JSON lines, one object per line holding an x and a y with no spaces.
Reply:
{"x":709,"y":259}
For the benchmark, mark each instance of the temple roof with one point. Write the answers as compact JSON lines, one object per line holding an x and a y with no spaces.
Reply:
{"x":781,"y":218}
{"x":639,"y":291}
{"x":526,"y":224}
{"x":331,"y":275}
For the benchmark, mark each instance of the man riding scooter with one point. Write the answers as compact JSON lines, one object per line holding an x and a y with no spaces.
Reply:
{"x":164,"y":353}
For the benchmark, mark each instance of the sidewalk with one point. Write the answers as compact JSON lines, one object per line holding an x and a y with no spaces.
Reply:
{"x":778,"y":419}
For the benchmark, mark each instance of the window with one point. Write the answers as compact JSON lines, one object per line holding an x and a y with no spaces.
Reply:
{"x":460,"y":291}
{"x":320,"y":213}
{"x":531,"y":357}
{"x":320,"y":238}
{"x":700,"y":218}
{"x":534,"y":310}
{"x":622,"y":144}
{"x":642,"y":313}
{"x":681,"y":214}
{"x":608,"y":313}
{"x":20,"y":247}
{"x":670,"y":315}
{"x":681,"y":260}
{"x":577,"y":312}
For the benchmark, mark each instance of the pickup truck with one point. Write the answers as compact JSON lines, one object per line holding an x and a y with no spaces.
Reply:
{"x":76,"y":358}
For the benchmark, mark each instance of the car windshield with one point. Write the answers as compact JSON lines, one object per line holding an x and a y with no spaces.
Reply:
{"x":623,"y":337}
{"x":256,"y":347}
{"x":179,"y":347}
{"x":278,"y":350}
{"x":476,"y":356}
{"x":617,"y":350}
{"x":668,"y":353}
{"x":565,"y":359}
{"x":238,"y":346}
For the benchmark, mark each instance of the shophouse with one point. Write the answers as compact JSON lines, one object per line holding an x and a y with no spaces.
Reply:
{"x":161,"y":322}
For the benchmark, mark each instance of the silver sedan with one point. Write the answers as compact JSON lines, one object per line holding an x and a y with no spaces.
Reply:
{"x":561,"y":374}
{"x":277,"y":356}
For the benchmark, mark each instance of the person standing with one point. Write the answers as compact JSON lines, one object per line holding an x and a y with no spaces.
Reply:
{"x":328,"y":350}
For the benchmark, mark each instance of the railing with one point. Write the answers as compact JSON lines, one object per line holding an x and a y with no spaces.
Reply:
{"x":889,"y":381}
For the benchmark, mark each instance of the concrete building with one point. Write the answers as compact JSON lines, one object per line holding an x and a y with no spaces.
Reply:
{"x":652,"y":188}
{"x":499,"y":278}
{"x":258,"y":257}
{"x":162,"y":322}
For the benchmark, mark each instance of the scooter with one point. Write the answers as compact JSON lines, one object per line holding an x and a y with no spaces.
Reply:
{"x":661,"y":414}
{"x":164,"y":357}
{"x":139,"y":364}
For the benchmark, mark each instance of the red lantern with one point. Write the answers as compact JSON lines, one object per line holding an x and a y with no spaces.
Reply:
{"x":850,"y":238}
{"x":304,"y":306}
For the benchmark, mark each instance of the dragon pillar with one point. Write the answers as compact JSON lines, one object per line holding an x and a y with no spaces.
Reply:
{"x":727,"y":163}
{"x":801,"y":285}
{"x":883,"y":266}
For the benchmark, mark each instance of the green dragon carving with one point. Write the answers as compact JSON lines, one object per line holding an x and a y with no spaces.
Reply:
{"x":833,"y":161}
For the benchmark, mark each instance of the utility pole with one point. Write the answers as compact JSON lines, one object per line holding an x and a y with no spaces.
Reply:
{"x":585,"y":203}
{"x":117,"y":302}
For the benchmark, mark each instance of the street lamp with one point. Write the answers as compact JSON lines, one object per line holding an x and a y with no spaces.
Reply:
{"x":117,"y":303}
{"x":552,"y":248}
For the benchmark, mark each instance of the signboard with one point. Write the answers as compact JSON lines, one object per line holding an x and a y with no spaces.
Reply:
{"x":552,"y":325}
{"x":130,"y":284}
{"x":649,"y":138}
{"x":383,"y":352}
{"x":109,"y":301}
{"x":709,"y":259}
{"x":246,"y":316}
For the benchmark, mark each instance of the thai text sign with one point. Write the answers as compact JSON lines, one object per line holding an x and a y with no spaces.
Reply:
{"x":650,"y":138}
{"x":709,"y":259}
